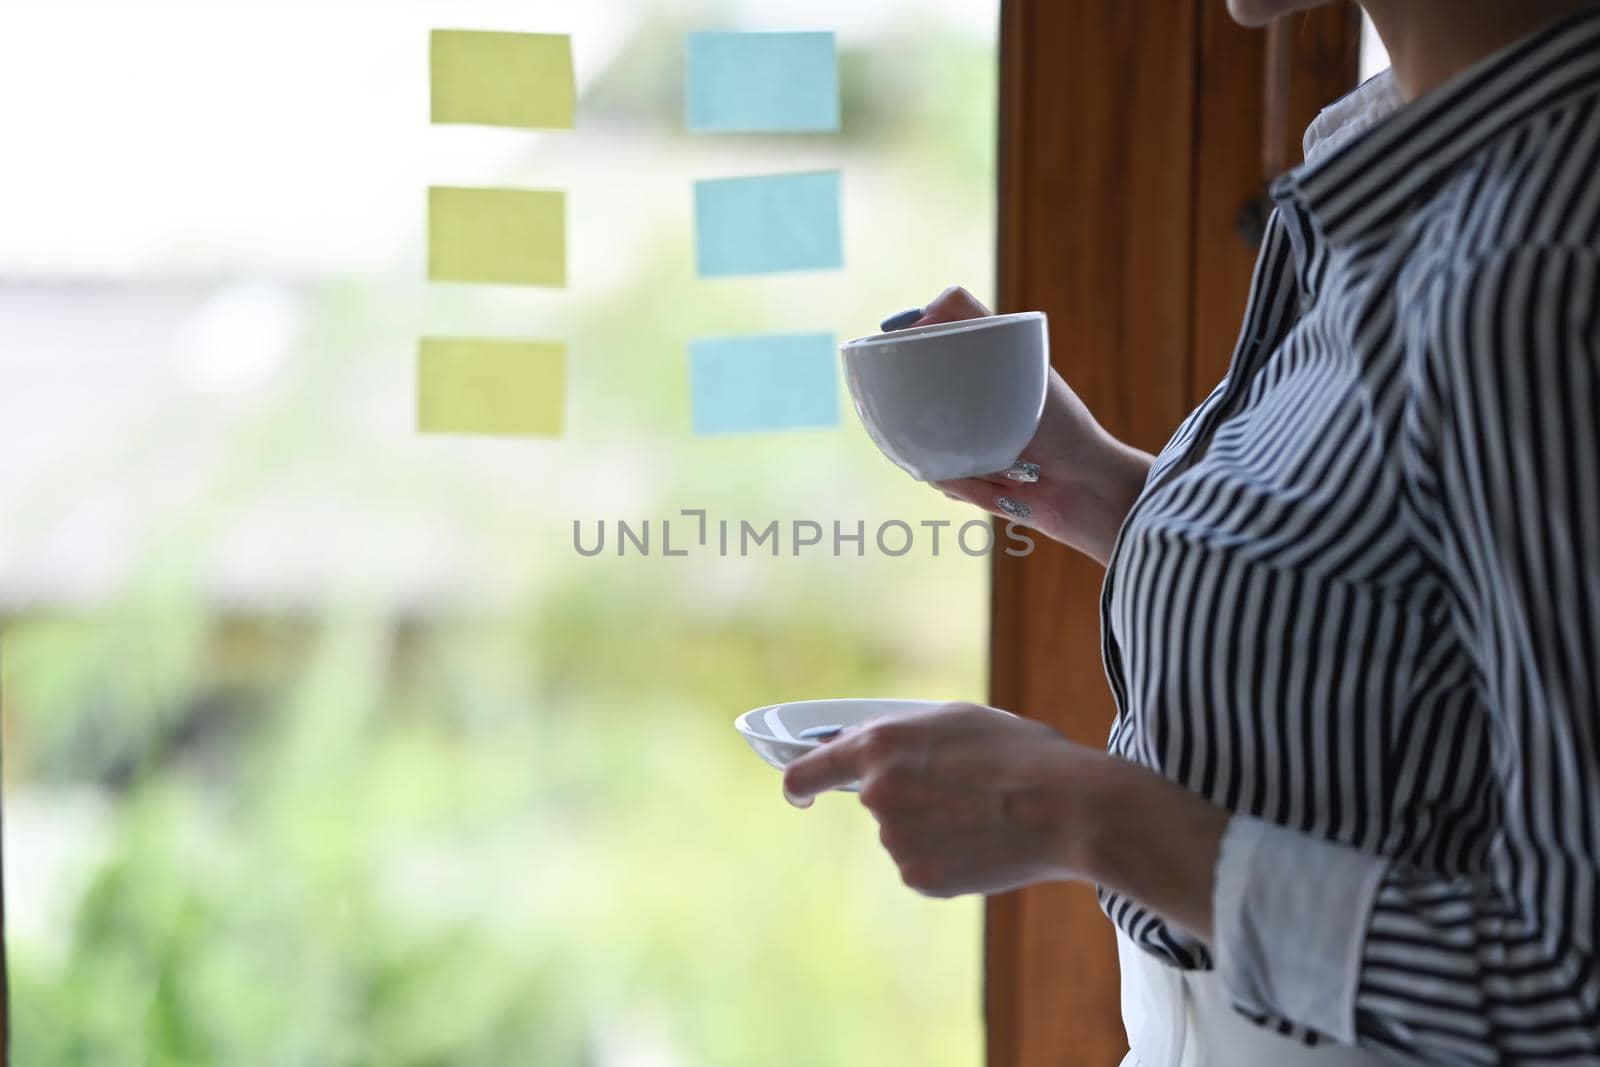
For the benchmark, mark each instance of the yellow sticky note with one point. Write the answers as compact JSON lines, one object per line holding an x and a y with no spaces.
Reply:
{"x":503,"y":79}
{"x":506,"y":236}
{"x":479,"y":386}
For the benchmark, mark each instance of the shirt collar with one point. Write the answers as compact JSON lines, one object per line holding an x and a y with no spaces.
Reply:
{"x":1351,"y":115}
{"x":1368,"y":156}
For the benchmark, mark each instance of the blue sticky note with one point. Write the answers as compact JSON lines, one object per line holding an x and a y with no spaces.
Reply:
{"x":763,"y":382}
{"x":766,"y":224}
{"x":761,"y":82}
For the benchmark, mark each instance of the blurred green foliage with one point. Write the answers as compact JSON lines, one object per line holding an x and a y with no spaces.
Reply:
{"x":501,"y":843}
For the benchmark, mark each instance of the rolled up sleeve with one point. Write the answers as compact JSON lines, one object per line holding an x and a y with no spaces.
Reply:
{"x":1290,"y":914}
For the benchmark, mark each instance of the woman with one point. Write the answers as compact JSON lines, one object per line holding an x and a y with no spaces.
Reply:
{"x":1351,"y":613}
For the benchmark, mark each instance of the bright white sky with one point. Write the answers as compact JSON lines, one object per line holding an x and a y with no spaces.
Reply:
{"x":149,"y":138}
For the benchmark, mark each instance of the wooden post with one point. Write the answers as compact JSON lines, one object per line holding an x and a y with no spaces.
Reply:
{"x":1131,"y":140}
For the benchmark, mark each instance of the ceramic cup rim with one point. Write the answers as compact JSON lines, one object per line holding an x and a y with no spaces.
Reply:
{"x":942,"y":329}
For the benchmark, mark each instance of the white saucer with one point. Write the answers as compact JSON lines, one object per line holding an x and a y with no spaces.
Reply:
{"x":774,"y":731}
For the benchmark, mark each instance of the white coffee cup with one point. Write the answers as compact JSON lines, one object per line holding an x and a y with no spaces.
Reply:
{"x":955,"y":399}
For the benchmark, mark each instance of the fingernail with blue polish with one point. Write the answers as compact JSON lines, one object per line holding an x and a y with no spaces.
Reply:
{"x":901,"y":321}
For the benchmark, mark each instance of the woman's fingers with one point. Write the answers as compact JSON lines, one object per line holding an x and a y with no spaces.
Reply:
{"x":828,"y":767}
{"x":979,"y":491}
{"x":1011,"y":500}
{"x":952,"y":305}
{"x":1023,"y":478}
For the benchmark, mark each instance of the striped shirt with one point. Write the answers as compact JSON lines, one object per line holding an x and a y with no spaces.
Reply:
{"x":1358,"y":600}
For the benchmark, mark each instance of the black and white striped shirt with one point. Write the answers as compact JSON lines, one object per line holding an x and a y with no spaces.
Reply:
{"x":1358,"y":601}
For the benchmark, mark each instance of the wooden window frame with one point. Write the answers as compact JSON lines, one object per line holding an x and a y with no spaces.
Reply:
{"x":1136,"y":139}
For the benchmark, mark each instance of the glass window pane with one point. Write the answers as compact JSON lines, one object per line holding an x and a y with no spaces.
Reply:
{"x":324,"y":742}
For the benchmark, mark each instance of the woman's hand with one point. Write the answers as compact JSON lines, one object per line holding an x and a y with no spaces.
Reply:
{"x":968,"y":799}
{"x":973,"y":800}
{"x":1074,"y":482}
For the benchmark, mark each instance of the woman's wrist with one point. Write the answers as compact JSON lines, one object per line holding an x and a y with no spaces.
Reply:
{"x":1098,"y":493}
{"x":1148,"y":839}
